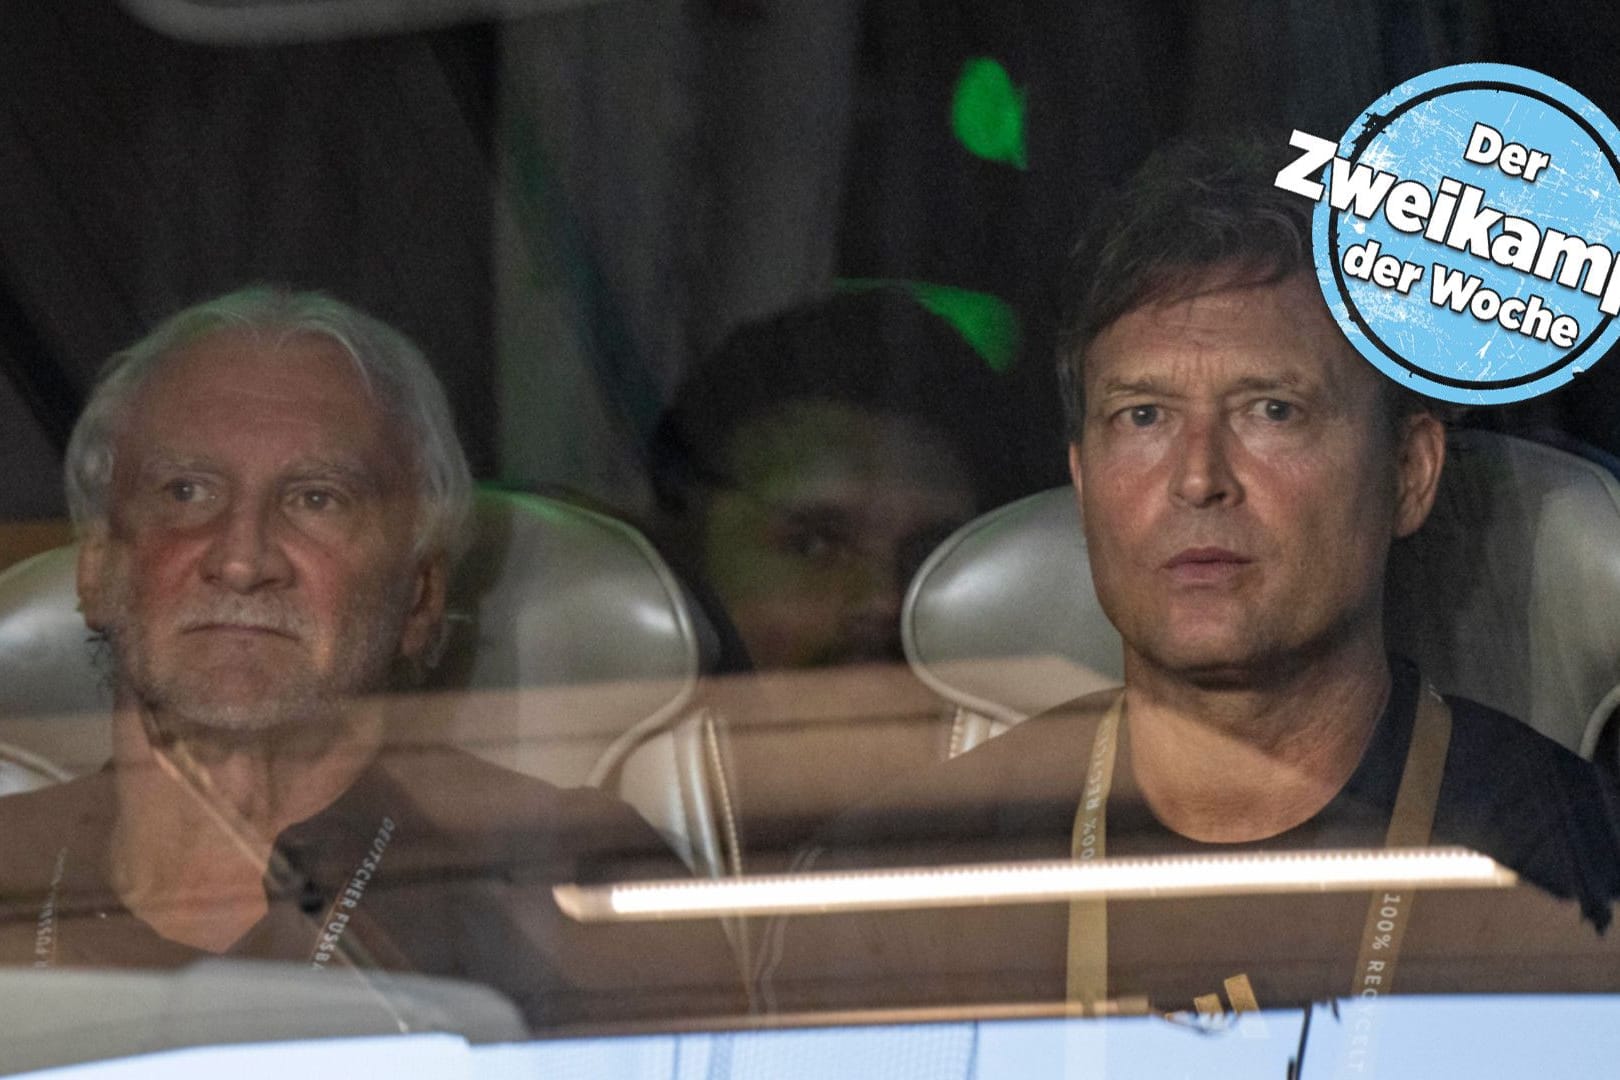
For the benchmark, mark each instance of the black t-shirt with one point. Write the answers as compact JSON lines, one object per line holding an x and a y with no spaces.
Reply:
{"x":433,"y":861}
{"x":1507,"y":792}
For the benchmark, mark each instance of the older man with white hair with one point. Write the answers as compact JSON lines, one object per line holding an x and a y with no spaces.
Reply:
{"x":269,"y":495}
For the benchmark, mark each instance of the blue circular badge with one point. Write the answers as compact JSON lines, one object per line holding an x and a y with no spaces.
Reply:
{"x":1466,"y":232}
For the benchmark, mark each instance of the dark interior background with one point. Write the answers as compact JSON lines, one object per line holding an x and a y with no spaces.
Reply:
{"x":635,"y":176}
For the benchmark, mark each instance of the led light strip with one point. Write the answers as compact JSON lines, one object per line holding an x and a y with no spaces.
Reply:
{"x":1034,"y":882}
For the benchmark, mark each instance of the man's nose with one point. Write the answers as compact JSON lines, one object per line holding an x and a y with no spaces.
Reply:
{"x":881,"y":590}
{"x":872,"y":612}
{"x":1203,"y":473}
{"x":246,"y":554}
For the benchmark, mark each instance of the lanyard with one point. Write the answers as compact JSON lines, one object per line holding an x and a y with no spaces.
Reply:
{"x":1088,"y":919}
{"x":1410,"y":824}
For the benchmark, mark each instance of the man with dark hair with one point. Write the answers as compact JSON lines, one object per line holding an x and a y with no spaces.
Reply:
{"x":1192,"y":210}
{"x":1241,"y":473}
{"x":810,"y":463}
{"x":807,"y":467}
{"x":269,"y":495}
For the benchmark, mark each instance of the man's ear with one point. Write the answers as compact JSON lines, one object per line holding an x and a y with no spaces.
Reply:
{"x":90,"y":576}
{"x":1074,"y":467}
{"x":424,"y":621}
{"x":1421,"y":455}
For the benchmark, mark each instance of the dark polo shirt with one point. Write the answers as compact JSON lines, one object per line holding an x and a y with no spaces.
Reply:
{"x":1507,"y":792}
{"x":433,"y":861}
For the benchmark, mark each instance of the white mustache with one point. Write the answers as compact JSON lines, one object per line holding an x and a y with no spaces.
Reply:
{"x":246,"y":615}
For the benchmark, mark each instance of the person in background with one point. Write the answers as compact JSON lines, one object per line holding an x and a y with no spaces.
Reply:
{"x":805,"y":470}
{"x":809,"y":464}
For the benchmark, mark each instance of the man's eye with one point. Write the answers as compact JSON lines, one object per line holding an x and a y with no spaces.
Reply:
{"x":184,"y":491}
{"x":811,"y":544}
{"x":1142,"y":415}
{"x":820,"y":542}
{"x":1278,"y":411}
{"x":317,"y":500}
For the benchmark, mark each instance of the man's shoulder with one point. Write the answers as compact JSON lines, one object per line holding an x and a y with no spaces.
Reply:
{"x":1531,"y":803}
{"x":1018,"y":790}
{"x":1050,"y":741}
{"x":53,"y":809}
{"x":1496,"y":758}
{"x":36,"y":825}
{"x":460,"y":795}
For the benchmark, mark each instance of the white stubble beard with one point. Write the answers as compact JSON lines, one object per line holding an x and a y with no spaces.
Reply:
{"x":178,"y":699}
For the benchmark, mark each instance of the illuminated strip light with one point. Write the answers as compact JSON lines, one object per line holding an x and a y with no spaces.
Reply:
{"x":1035,"y":882}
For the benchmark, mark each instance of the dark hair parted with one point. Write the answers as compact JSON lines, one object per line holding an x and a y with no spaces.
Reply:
{"x":1197,"y":215}
{"x":877,"y":350}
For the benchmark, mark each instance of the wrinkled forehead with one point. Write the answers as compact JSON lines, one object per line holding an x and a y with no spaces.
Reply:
{"x":248,"y":398}
{"x":1224,"y":326}
{"x":829,"y":446}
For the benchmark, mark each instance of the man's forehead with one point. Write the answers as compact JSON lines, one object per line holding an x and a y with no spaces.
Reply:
{"x":232,"y":393}
{"x":1251,"y":335}
{"x":162,"y":458}
{"x":254,"y":361}
{"x":1179,"y":376}
{"x":812,"y":442}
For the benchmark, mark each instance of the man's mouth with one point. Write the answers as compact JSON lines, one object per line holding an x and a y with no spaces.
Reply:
{"x":245,"y":629}
{"x":1205,"y":565}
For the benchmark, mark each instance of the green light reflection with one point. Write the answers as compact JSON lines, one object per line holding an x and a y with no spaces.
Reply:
{"x":988,"y":323}
{"x":987,"y":113}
